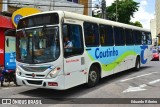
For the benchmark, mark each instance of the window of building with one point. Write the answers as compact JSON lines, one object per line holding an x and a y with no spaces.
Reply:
{"x":73,"y":42}
{"x":119,"y":36}
{"x":106,"y":35}
{"x":91,"y":34}
{"x":129,"y":37}
{"x":75,"y":1}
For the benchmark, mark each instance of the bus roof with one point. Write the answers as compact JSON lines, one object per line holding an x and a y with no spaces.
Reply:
{"x":81,"y":17}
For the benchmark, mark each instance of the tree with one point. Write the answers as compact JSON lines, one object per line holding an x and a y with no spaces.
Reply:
{"x":125,"y":10}
{"x":136,"y":23}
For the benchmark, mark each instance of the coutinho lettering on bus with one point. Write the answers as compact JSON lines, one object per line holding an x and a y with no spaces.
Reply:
{"x":107,"y":53}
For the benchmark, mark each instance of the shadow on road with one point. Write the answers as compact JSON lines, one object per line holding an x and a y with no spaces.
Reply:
{"x":155,"y":60}
{"x":78,"y":90}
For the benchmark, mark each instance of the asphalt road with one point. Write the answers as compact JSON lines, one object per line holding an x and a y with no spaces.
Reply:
{"x":127,"y":84}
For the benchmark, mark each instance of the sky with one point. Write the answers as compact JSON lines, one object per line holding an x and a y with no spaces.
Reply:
{"x":145,"y":13}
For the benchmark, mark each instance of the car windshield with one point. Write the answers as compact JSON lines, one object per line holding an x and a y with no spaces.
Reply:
{"x":38,"y":45}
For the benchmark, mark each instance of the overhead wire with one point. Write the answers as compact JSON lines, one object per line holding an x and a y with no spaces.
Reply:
{"x":92,"y":4}
{"x":60,"y":1}
{"x":46,"y":5}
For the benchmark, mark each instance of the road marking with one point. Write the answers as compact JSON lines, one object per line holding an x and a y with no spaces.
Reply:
{"x":138,"y":76}
{"x":5,"y":88}
{"x":140,"y":87}
{"x":153,"y":82}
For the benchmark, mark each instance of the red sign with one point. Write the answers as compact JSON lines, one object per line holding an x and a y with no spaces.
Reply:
{"x":2,"y":47}
{"x":6,"y":22}
{"x":72,"y":60}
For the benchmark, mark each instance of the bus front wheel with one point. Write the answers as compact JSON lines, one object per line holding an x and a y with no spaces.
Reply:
{"x":93,"y":77}
{"x":137,"y":64}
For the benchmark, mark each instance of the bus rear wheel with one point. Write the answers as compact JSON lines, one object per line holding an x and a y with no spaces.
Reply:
{"x":137,"y":64}
{"x":93,"y":77}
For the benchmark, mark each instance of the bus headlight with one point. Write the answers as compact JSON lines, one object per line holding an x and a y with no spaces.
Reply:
{"x":18,"y":72}
{"x":53,"y":73}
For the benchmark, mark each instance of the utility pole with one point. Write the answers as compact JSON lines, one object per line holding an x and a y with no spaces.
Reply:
{"x":116,"y":10}
{"x":104,"y":9}
{"x":52,"y":4}
{"x":4,"y":6}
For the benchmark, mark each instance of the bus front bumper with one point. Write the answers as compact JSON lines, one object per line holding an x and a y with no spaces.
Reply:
{"x":54,"y":83}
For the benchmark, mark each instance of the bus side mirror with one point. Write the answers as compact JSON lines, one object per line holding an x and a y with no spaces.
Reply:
{"x":7,"y":42}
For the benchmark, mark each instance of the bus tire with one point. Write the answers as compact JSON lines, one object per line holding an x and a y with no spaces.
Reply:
{"x":2,"y":83}
{"x":93,"y":77}
{"x":15,"y":82}
{"x":137,"y":64}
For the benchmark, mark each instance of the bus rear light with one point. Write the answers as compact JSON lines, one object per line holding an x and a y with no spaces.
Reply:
{"x":52,"y":84}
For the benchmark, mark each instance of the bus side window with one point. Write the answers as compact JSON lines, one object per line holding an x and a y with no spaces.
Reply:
{"x":102,"y":35}
{"x":129,"y":37}
{"x":148,"y":38}
{"x":74,"y":34}
{"x":137,"y":37}
{"x":119,"y":36}
{"x":144,"y":38}
{"x":91,"y":34}
{"x":106,"y":35}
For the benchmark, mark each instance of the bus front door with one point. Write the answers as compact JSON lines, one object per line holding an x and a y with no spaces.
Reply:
{"x":74,"y":62}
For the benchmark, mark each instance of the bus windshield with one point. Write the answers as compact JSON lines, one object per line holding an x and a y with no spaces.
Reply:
{"x":38,"y":45}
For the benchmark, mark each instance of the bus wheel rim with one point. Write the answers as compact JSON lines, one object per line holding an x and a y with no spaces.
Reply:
{"x":93,"y":76}
{"x":138,"y":65}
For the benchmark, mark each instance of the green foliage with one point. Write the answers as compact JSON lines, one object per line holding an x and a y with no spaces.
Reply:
{"x":137,"y":23}
{"x":125,"y":10}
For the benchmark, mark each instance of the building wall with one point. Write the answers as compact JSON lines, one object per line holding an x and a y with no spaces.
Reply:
{"x":0,"y":5}
{"x":90,"y":9}
{"x":153,"y":31}
{"x":49,"y":5}
{"x":153,"y":28}
{"x":12,"y":9}
{"x":157,"y":17}
{"x":85,"y":3}
{"x":81,"y":10}
{"x":87,"y":6}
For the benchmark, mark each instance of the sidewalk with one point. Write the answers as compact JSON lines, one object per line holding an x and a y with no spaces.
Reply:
{"x":6,"y":84}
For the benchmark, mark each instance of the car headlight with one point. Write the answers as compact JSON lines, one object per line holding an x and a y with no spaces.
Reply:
{"x":53,"y":73}
{"x":18,"y":72}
